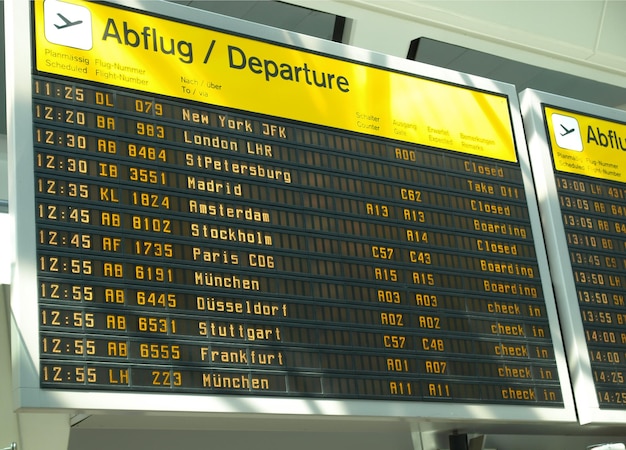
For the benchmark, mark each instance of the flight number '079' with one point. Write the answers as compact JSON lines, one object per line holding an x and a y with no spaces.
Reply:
{"x":148,"y":107}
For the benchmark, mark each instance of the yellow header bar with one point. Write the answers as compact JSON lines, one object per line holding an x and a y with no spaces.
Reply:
{"x":132,"y":49}
{"x":587,"y":145}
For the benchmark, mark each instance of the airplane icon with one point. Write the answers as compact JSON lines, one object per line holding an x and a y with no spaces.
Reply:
{"x":567,"y":131}
{"x":67,"y":23}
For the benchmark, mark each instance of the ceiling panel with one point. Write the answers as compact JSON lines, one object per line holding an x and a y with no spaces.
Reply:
{"x":228,"y":8}
{"x":272,"y":13}
{"x":613,"y":33}
{"x":522,"y":75}
{"x":574,"y":23}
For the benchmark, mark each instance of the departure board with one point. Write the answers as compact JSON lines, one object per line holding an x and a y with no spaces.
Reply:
{"x":581,"y":162}
{"x":202,"y":236}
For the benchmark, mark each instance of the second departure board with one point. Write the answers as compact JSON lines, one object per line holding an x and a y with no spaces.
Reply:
{"x":582,"y":170}
{"x":277,"y":229}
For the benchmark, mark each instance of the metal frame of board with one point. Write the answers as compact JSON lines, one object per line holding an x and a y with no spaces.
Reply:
{"x":573,"y":327}
{"x":24,"y":309}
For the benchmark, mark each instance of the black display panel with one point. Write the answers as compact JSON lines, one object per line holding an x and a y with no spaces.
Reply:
{"x":195,"y":249}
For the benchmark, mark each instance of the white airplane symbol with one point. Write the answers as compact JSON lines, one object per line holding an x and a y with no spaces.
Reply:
{"x":67,"y":22}
{"x":567,"y":131}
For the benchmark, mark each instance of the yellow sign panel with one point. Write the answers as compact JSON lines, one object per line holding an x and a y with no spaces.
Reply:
{"x":131,"y":49}
{"x":587,"y":145}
